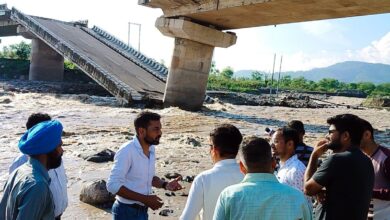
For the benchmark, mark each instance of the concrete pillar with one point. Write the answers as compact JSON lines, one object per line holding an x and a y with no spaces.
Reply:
{"x":46,"y":64}
{"x":187,"y":78}
{"x":191,"y":60}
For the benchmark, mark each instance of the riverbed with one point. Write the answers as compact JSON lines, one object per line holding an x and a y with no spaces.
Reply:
{"x":93,"y":123}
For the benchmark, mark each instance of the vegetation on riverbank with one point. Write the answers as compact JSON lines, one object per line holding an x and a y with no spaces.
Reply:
{"x":224,"y":80}
{"x":14,"y":64}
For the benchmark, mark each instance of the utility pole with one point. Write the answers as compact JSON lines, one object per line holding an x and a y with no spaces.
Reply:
{"x":139,"y":35}
{"x":280,"y":70}
{"x":272,"y":78}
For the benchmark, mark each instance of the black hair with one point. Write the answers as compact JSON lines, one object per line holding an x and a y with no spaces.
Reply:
{"x":348,"y":123}
{"x":367,"y":127}
{"x":256,"y":153}
{"x":37,"y":118}
{"x":290,"y":134}
{"x":227,"y":139}
{"x":297,"y":125}
{"x":142,"y":120}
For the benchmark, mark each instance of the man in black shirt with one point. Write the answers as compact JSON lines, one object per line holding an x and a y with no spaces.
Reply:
{"x":347,"y":174}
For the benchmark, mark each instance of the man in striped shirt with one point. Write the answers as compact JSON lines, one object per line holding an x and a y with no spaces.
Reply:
{"x":380,"y":158}
{"x":303,"y":151}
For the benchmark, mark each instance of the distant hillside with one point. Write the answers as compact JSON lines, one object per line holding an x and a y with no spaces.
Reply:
{"x":350,"y":71}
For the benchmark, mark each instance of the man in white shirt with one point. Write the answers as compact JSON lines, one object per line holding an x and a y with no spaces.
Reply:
{"x":291,"y":170}
{"x":224,"y":144}
{"x":58,"y":183}
{"x":133,"y":173}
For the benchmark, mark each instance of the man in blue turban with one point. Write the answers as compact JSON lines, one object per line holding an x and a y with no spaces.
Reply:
{"x":27,"y":194}
{"x":58,"y":179}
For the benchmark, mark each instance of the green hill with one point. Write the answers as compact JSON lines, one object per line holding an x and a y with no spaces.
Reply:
{"x":350,"y":71}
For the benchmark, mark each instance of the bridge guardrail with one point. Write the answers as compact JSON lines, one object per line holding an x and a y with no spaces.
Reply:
{"x":120,"y":90}
{"x":130,"y":53}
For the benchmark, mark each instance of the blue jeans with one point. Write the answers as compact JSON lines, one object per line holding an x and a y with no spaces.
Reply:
{"x":121,"y":211}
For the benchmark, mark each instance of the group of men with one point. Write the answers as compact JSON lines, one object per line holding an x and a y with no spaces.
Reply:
{"x":274,"y":180}
{"x":36,"y":187}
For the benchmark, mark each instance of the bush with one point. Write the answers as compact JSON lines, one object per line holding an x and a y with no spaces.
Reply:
{"x":223,"y":82}
{"x":20,"y":51}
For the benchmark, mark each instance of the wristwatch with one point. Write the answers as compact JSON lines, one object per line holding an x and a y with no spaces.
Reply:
{"x":164,"y":185}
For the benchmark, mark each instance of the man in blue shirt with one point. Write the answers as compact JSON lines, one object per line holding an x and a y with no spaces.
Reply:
{"x":260,"y":195}
{"x":27,"y":194}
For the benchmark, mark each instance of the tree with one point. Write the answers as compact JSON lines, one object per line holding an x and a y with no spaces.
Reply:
{"x":285,"y":81}
{"x":7,"y":53}
{"x":382,"y":89}
{"x":266,"y":79}
{"x":257,"y":75}
{"x":22,"y":50}
{"x":16,"y":51}
{"x":213,"y":68}
{"x":366,"y":87}
{"x":227,"y":72}
{"x":352,"y":86}
{"x":299,"y":83}
{"x":328,"y":84}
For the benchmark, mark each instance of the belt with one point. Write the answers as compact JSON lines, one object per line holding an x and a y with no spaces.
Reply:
{"x":134,"y":205}
{"x":137,"y":206}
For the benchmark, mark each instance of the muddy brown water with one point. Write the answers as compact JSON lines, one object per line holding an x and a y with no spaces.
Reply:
{"x":100,"y":124}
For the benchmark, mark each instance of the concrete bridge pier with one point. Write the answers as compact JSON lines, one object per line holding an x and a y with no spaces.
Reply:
{"x":46,"y":64}
{"x":191,"y":60}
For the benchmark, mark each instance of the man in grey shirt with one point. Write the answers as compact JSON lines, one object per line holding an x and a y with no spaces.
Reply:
{"x":58,"y":183}
{"x":26,"y":193}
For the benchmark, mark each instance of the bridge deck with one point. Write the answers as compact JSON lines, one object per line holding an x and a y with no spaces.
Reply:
{"x":107,"y":58}
{"x":235,"y":14}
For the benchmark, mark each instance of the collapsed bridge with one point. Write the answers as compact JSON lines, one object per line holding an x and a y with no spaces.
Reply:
{"x":127,"y":74}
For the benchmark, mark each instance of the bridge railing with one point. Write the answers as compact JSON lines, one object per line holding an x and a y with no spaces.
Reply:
{"x":120,"y":90}
{"x":4,"y":7}
{"x":130,"y":53}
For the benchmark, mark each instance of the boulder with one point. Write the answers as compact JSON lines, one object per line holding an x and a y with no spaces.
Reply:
{"x":101,"y":157}
{"x":95,"y":193}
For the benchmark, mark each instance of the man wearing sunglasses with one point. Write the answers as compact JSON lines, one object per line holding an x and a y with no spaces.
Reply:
{"x":347,"y":174}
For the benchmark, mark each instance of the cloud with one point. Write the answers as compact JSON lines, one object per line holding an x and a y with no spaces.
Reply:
{"x":317,"y":28}
{"x":303,"y":61}
{"x":263,"y":60}
{"x":377,"y":52}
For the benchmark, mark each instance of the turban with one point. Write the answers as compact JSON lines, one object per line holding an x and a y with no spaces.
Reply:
{"x":42,"y":138}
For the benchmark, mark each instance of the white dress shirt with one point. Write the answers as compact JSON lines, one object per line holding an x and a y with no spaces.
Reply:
{"x":133,"y":170}
{"x":206,"y":188}
{"x":58,"y":183}
{"x":292,"y":172}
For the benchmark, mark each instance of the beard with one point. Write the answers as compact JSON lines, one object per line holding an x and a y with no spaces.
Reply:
{"x":335,"y":145}
{"x":54,"y":161}
{"x":274,"y":153}
{"x":152,"y":141}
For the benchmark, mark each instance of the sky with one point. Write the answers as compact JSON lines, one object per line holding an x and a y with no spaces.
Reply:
{"x":304,"y":45}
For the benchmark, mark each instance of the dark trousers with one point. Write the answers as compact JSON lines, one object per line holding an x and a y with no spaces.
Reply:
{"x":121,"y":211}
